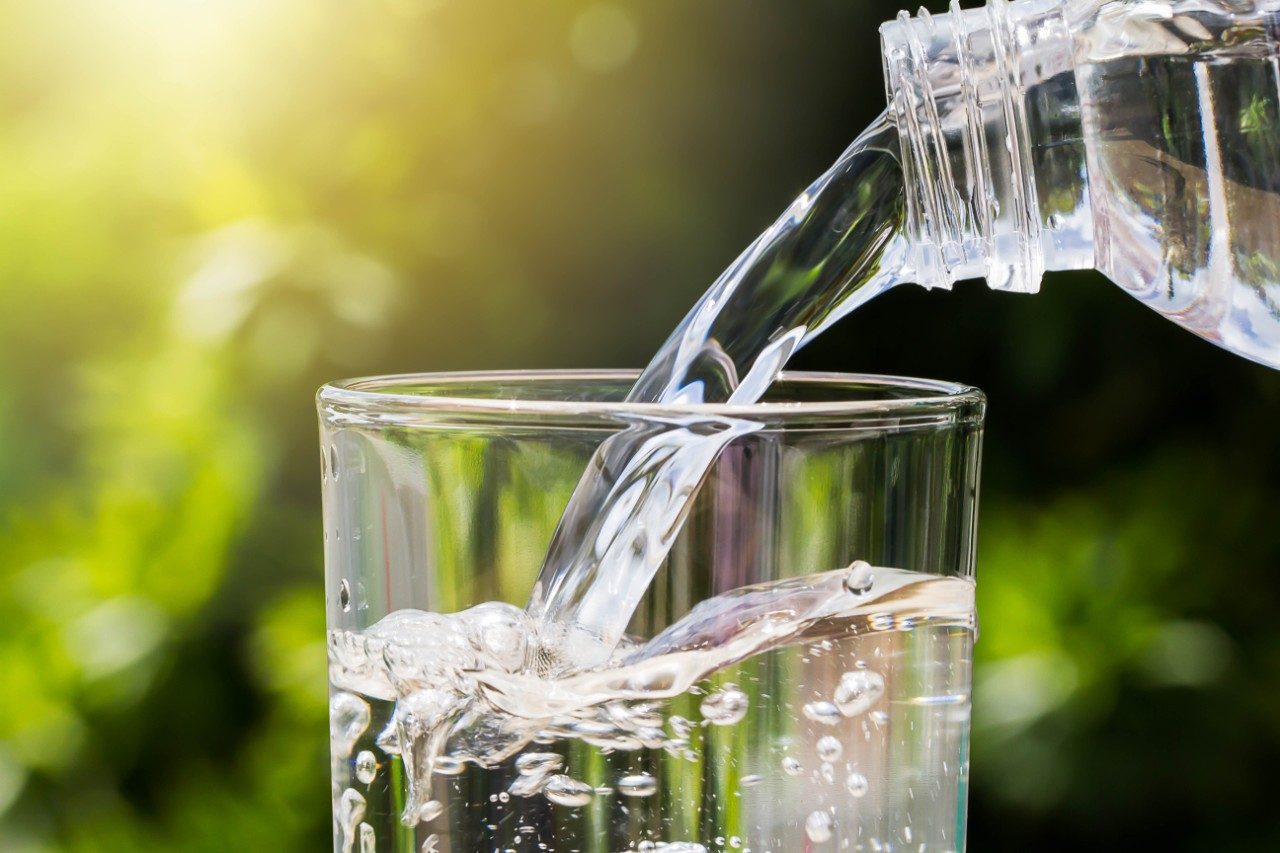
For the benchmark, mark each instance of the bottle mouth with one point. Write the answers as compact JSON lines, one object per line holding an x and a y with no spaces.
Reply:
{"x":956,"y":91}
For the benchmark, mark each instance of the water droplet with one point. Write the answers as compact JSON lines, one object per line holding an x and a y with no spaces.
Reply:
{"x":857,"y":784}
{"x":680,"y":726}
{"x":368,"y":839}
{"x":504,"y":797}
{"x":430,"y":810}
{"x":725,"y":707}
{"x":429,"y":846}
{"x":344,"y":596}
{"x":822,"y":712}
{"x":366,"y":767}
{"x":735,"y":842}
{"x":828,"y":772}
{"x":818,"y":826}
{"x":348,"y":719}
{"x":539,"y":762}
{"x":567,"y":791}
{"x":858,"y":691}
{"x":639,"y":785}
{"x":860,"y":578}
{"x":791,"y":766}
{"x":750,"y":780}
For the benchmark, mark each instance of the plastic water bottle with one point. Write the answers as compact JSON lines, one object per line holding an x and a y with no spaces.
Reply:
{"x":1137,"y":137}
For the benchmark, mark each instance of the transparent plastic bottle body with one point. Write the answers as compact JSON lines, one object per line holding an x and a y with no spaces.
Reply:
{"x":1138,"y":138}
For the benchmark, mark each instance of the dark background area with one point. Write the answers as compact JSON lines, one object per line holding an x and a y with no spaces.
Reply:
{"x":208,"y":209}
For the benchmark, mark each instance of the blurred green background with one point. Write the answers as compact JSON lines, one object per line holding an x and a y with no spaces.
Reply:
{"x":209,"y":207}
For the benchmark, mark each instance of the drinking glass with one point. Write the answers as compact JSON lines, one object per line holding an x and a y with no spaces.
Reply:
{"x":817,"y":698}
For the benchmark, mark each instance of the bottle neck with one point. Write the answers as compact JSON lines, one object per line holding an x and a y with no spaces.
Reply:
{"x":989,"y":124}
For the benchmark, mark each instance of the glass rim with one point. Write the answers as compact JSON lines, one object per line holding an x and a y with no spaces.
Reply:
{"x":373,"y":400}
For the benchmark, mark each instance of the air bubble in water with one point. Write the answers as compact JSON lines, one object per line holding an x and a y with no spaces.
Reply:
{"x":857,"y":784}
{"x":638,"y":785}
{"x":430,"y":810}
{"x":860,"y":578}
{"x":828,"y":772}
{"x":447,"y":765}
{"x":368,"y":839}
{"x":822,"y":712}
{"x":344,"y":595}
{"x":567,"y":791}
{"x":829,"y":748}
{"x":750,"y":780}
{"x":528,"y":784}
{"x":680,"y":726}
{"x":351,"y":808}
{"x":366,"y":767}
{"x":539,"y":762}
{"x":675,"y":745}
{"x":818,"y":826}
{"x":651,"y":737}
{"x":791,"y":766}
{"x":725,"y":707}
{"x":500,"y":633}
{"x":858,"y":691}
{"x":348,"y":719}
{"x":429,"y":846}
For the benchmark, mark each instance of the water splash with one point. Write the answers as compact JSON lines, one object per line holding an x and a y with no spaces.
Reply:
{"x":837,"y":246}
{"x":458,"y":698}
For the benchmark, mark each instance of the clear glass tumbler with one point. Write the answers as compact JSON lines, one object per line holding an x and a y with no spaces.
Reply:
{"x":797,"y":677}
